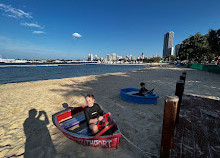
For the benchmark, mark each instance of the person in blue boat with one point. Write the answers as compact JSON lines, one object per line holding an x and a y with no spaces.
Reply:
{"x":143,"y":91}
{"x":93,"y":113}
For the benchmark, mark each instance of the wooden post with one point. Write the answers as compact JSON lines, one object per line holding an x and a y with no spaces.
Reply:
{"x":179,"y":93}
{"x":183,"y":77}
{"x":184,"y":73}
{"x":169,"y":119}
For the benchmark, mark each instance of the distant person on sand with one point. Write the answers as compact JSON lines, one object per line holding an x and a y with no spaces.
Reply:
{"x":143,"y":91}
{"x":93,"y":113}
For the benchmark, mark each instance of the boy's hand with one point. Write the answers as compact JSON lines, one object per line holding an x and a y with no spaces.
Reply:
{"x":100,"y":118}
{"x":151,"y":91}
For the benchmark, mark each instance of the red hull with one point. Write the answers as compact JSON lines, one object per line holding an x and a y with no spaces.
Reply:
{"x":107,"y":141}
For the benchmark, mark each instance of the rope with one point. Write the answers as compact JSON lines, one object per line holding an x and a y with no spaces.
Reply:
{"x":144,"y":152}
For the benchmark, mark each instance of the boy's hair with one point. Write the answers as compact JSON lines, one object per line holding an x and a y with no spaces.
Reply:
{"x":141,"y":84}
{"x":90,"y":95}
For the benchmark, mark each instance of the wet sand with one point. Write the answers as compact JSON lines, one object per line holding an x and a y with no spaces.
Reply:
{"x":22,"y":135}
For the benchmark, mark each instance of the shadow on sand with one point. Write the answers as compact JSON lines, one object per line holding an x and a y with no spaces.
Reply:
{"x":38,"y":139}
{"x":197,"y":133}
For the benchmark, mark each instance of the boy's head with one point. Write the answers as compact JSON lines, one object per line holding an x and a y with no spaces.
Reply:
{"x":142,"y":84}
{"x":90,"y":99}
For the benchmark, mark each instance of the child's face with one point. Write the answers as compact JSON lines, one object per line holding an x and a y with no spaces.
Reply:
{"x":143,"y":86}
{"x":90,"y":101}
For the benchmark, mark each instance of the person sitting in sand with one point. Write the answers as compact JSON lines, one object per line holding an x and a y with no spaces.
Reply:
{"x":143,"y":91}
{"x":93,"y":113}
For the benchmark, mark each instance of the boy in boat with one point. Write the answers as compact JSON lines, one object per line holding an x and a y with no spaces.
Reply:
{"x":143,"y":90}
{"x":93,"y":113}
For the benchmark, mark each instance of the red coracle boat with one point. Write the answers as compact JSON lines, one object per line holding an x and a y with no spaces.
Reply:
{"x":73,"y":125}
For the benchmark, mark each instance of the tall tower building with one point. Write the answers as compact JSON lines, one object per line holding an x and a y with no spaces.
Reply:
{"x":130,"y":57}
{"x":107,"y":57}
{"x":113,"y":56}
{"x":90,"y":57}
{"x":96,"y":57}
{"x":142,"y":55}
{"x":168,"y":44}
{"x":177,"y":47}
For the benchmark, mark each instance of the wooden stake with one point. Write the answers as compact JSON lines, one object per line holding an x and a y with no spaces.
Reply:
{"x":184,"y":73}
{"x":183,"y":77}
{"x":179,"y":93}
{"x":169,"y":119}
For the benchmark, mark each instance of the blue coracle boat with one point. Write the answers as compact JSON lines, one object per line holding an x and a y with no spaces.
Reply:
{"x":130,"y":95}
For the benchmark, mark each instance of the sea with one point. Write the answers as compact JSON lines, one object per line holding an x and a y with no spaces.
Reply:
{"x":13,"y":73}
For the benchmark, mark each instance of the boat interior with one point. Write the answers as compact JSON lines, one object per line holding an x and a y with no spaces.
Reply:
{"x":76,"y":123}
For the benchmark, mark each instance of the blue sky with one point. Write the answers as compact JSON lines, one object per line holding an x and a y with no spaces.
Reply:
{"x":39,"y":29}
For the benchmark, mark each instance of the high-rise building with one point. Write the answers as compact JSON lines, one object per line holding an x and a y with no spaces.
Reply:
{"x":172,"y":51}
{"x":107,"y":58}
{"x":130,"y":57}
{"x":142,"y":55}
{"x":177,"y":47}
{"x":133,"y":58}
{"x":96,"y":57}
{"x":90,"y":57}
{"x":168,"y":44}
{"x":113,"y":56}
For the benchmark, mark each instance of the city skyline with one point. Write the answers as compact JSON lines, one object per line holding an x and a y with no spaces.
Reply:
{"x":116,"y":57}
{"x":74,"y":29}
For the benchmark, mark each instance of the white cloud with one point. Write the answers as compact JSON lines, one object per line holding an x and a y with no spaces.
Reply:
{"x":9,"y":11}
{"x":76,"y":35}
{"x":13,"y":12}
{"x":38,"y":32}
{"x":31,"y":25}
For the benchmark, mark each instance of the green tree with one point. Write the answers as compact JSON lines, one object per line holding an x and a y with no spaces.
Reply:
{"x":214,"y":42}
{"x":156,"y":59}
{"x":195,"y":48}
{"x":122,"y":59}
{"x":172,"y":57}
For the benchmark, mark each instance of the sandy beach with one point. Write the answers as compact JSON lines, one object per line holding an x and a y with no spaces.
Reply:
{"x":141,"y":124}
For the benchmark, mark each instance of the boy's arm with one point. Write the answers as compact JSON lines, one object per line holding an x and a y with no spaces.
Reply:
{"x":145,"y":89}
{"x":93,"y":120}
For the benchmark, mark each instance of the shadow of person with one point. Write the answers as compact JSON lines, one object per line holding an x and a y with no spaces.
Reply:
{"x":38,"y":140}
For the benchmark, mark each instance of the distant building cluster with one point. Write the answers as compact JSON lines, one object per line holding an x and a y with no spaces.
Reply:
{"x":12,"y":61}
{"x":114,"y":58}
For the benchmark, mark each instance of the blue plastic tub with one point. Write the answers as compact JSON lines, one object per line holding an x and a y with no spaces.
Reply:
{"x":127,"y":94}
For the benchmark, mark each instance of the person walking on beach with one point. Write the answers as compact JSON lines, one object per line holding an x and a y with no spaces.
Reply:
{"x":143,"y":91}
{"x":93,"y":113}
